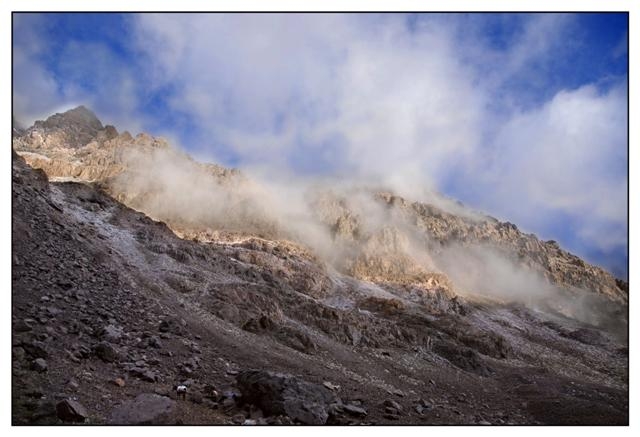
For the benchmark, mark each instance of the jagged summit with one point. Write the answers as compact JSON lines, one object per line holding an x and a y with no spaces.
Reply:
{"x":76,"y":118}
{"x":71,"y":129}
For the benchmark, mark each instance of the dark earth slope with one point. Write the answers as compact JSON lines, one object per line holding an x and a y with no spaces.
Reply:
{"x":111,"y":311}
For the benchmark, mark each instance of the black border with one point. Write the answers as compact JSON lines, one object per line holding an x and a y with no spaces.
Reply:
{"x":627,"y":12}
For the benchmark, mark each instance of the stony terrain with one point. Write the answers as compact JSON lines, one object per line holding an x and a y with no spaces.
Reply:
{"x":113,"y":309}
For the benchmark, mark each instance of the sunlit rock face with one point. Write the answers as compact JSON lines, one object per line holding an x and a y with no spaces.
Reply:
{"x":370,"y":234}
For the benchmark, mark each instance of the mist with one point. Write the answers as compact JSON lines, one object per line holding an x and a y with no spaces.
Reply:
{"x":344,"y":223}
{"x":477,"y":269}
{"x":483,"y":270}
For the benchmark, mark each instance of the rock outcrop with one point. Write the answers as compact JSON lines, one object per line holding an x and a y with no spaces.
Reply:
{"x":145,"y":409}
{"x":279,"y":394}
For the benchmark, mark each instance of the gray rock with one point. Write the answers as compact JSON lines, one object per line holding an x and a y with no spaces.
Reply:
{"x":390,"y":403}
{"x":145,"y":409}
{"x":81,"y":350}
{"x":69,"y":410}
{"x":144,"y":373}
{"x":39,"y":365}
{"x":280,"y":394}
{"x":106,"y":352}
{"x":330,"y":386}
{"x":354,"y":410}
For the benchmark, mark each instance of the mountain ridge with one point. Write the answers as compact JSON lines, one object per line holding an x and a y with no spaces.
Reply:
{"x":105,"y":155}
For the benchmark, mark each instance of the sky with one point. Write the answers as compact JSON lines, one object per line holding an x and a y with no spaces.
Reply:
{"x":521,"y":116}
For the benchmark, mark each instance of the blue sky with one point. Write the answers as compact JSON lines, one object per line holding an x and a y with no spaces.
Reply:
{"x":518,"y":115}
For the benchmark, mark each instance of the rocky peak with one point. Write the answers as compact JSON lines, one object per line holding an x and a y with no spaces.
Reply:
{"x":80,"y":117}
{"x":74,"y":128}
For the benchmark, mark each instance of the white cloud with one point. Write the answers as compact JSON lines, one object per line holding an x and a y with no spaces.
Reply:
{"x":570,"y":156}
{"x":94,"y":75}
{"x":366,"y":95}
{"x":34,"y":88}
{"x":393,"y":102}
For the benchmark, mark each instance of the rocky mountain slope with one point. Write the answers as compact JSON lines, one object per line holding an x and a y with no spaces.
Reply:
{"x":75,"y":146}
{"x":113,"y":307}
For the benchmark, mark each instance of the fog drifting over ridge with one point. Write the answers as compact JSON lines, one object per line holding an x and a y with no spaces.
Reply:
{"x":387,"y":245}
{"x":414,"y":105}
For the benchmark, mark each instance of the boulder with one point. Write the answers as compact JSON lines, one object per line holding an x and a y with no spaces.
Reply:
{"x":281,"y":394}
{"x":69,"y":410}
{"x":145,"y":409}
{"x":355,"y":410}
{"x":144,"y":373}
{"x":106,"y":352}
{"x":39,"y":365}
{"x":390,"y":403}
{"x":330,"y":386}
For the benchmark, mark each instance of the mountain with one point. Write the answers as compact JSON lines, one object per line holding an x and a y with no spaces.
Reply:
{"x":137,"y":268}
